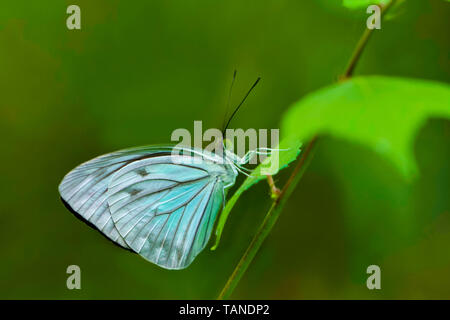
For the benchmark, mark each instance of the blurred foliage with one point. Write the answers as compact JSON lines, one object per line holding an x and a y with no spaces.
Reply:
{"x":135,"y":72}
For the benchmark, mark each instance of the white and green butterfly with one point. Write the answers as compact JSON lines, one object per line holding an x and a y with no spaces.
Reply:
{"x":158,"y":201}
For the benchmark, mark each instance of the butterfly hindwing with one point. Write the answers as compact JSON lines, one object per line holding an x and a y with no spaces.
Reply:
{"x":165,"y":211}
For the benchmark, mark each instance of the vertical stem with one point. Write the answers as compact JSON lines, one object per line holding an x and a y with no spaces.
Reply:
{"x":279,"y":202}
{"x":268,"y":223}
{"x":362,"y":44}
{"x":357,"y":54}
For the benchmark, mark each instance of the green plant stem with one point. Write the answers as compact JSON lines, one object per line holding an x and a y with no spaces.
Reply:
{"x":269,"y":221}
{"x":280,"y":200}
{"x":357,"y":54}
{"x":274,"y":191}
{"x":361,"y":45}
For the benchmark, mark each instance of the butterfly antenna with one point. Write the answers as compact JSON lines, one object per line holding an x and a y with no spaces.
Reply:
{"x":240,"y":104}
{"x":228,"y":103}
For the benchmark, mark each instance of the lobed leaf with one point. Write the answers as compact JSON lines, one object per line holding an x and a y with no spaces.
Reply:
{"x":382,"y":113}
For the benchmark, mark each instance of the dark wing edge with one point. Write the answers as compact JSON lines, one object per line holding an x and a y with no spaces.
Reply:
{"x":93,"y":226}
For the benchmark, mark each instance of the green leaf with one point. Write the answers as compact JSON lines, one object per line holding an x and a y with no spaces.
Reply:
{"x":395,"y":10}
{"x":382,"y":113}
{"x":289,"y":152}
{"x":356,"y":4}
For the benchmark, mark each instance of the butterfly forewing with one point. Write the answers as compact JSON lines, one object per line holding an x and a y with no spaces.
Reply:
{"x":83,"y":189}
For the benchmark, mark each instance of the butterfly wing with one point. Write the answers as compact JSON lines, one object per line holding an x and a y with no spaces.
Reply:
{"x":83,"y":190}
{"x":165,"y":211}
{"x":147,"y":199}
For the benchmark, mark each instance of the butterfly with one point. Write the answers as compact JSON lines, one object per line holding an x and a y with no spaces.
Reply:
{"x":158,"y":201}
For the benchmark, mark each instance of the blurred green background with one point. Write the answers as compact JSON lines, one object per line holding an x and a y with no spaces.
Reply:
{"x":140,"y":69}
